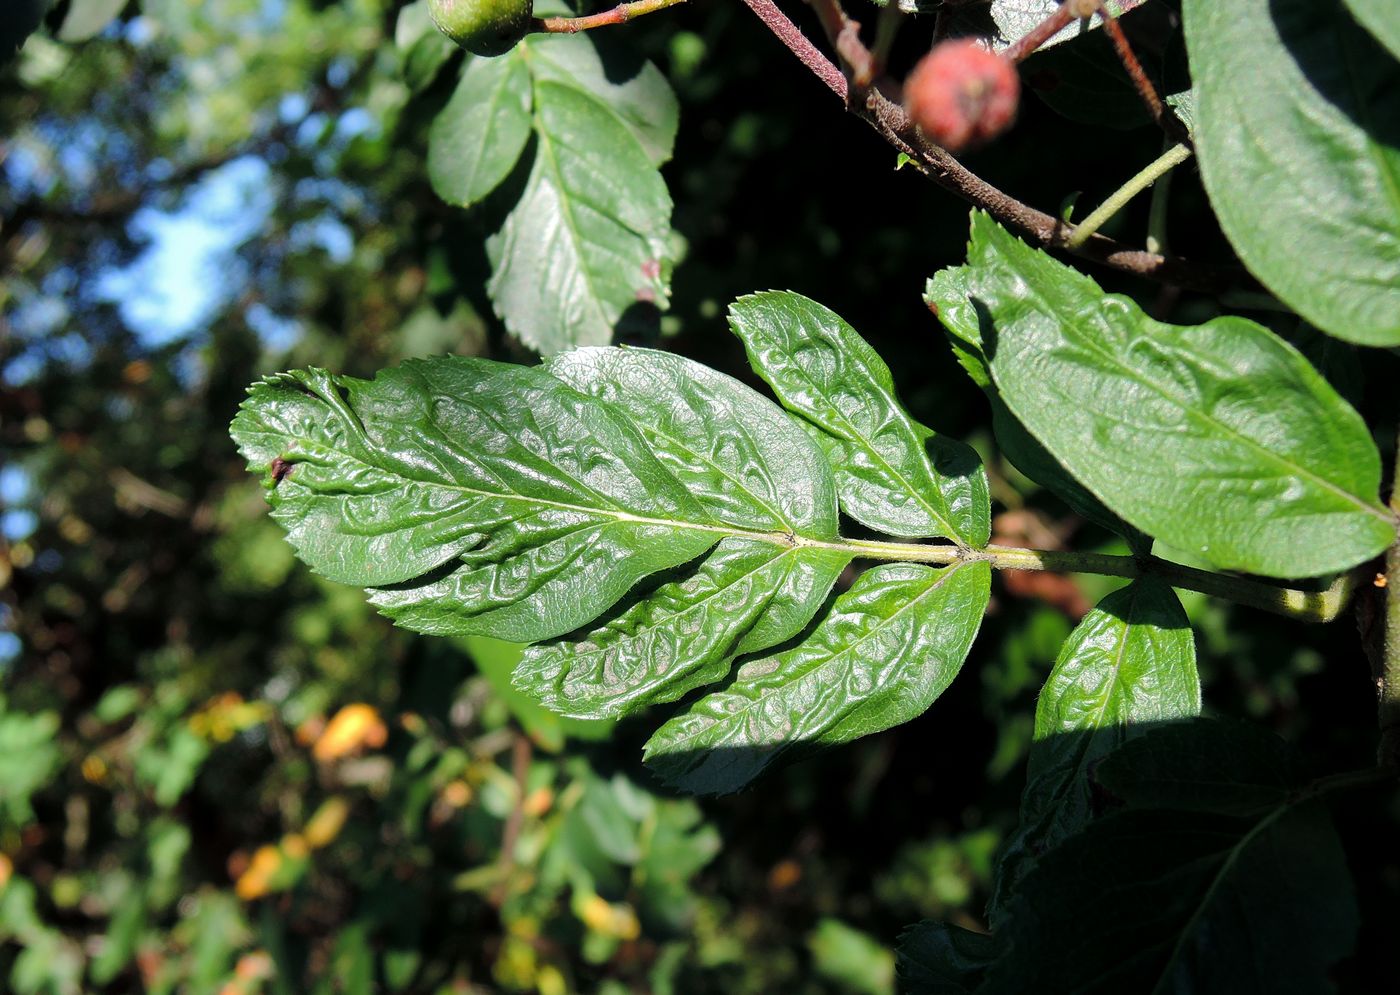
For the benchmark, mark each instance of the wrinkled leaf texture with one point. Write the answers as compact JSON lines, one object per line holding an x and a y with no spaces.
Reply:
{"x":685,"y":517}
{"x":1220,"y":439}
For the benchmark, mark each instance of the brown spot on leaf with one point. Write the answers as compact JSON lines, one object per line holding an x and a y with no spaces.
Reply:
{"x":281,"y":469}
{"x":651,"y":269}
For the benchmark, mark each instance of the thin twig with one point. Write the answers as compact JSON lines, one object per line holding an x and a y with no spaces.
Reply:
{"x":1162,"y":117}
{"x":890,"y":120}
{"x":520,"y":772}
{"x":1117,"y":200}
{"x":1055,"y":22}
{"x":620,"y":14}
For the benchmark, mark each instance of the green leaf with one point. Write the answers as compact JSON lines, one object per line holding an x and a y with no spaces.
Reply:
{"x":744,"y":458}
{"x":938,"y":958}
{"x":634,"y":90}
{"x":892,"y":473}
{"x":1130,"y":662}
{"x":423,"y":49}
{"x":1208,"y":765}
{"x":1219,"y":439}
{"x":947,"y":294}
{"x":478,"y":137}
{"x":1381,"y":18}
{"x":884,"y":652}
{"x":853,"y":960}
{"x":589,"y":237}
{"x":475,"y":497}
{"x":1302,"y":159}
{"x":1255,"y":898}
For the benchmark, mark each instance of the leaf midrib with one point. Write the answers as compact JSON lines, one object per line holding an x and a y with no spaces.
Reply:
{"x":857,"y":438}
{"x":1093,"y":347}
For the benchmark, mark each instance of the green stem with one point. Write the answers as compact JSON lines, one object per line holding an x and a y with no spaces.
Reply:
{"x":620,"y":14}
{"x":1310,"y":606}
{"x":1157,"y":240}
{"x":1163,"y":164}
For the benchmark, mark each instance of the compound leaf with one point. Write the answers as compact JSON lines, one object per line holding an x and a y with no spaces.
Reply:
{"x":751,"y":466}
{"x":1220,"y":439}
{"x":892,"y":473}
{"x":884,"y":652}
{"x":1302,"y":160}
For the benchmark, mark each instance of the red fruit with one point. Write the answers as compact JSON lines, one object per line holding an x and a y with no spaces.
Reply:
{"x":962,"y":95}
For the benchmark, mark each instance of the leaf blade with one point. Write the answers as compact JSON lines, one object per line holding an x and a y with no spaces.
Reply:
{"x":592,"y":225}
{"x":1220,"y":439}
{"x":892,"y":473}
{"x":476,"y":140}
{"x":885,"y":651}
{"x":1128,"y":663}
{"x":1303,"y":165}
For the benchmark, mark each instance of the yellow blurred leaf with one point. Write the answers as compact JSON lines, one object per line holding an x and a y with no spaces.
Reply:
{"x":354,"y":728}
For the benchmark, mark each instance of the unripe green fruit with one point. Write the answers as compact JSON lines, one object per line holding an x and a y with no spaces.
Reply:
{"x":482,"y":27}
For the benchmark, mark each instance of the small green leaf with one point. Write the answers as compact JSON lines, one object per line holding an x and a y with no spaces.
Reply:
{"x":1131,"y":661}
{"x":87,"y":18}
{"x":589,"y":237}
{"x":1301,"y":159}
{"x":740,"y":455}
{"x":938,"y":958}
{"x":634,"y":90}
{"x":1381,"y":18}
{"x":478,"y":137}
{"x":886,"y":650}
{"x":1187,"y":898}
{"x":893,"y":474}
{"x":1220,"y":439}
{"x":947,"y":295}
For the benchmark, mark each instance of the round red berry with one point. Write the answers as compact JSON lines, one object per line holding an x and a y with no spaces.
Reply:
{"x":962,"y":94}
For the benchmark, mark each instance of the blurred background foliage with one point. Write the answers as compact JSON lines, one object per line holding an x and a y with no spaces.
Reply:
{"x":219,"y":774}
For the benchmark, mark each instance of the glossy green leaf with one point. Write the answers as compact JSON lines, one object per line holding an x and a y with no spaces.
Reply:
{"x":1173,"y":895}
{"x":745,"y":460}
{"x":475,"y":497}
{"x":589,"y":237}
{"x":1130,"y":662}
{"x":1381,"y":18}
{"x":1302,"y":158}
{"x":947,"y":294}
{"x":938,"y":958}
{"x":884,"y":652}
{"x":1219,"y":439}
{"x":478,"y":137}
{"x":892,"y":473}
